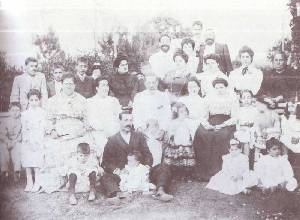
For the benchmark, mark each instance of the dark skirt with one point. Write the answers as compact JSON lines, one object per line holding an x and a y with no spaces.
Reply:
{"x":211,"y":145}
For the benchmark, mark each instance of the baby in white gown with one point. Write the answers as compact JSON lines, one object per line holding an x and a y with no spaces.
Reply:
{"x":135,"y":176}
{"x":235,"y":176}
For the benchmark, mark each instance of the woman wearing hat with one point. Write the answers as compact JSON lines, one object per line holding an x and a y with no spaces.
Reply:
{"x":212,"y":137}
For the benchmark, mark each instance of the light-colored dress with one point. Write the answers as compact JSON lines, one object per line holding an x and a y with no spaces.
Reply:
{"x":272,"y":171}
{"x":234,"y":177}
{"x":206,"y":79}
{"x":135,"y":179}
{"x":290,"y":129}
{"x":151,"y":105}
{"x":33,"y":132}
{"x":195,"y":105}
{"x":155,"y":147}
{"x":245,"y":124}
{"x":251,"y":80}
{"x":103,"y":114}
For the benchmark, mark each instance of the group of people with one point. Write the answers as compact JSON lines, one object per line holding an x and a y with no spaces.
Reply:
{"x":192,"y":118}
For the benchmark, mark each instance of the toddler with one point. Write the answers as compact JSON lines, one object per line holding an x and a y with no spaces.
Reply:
{"x":274,"y":170}
{"x":235,"y":176}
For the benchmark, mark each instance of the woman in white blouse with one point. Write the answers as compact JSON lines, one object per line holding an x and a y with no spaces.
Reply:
{"x":247,"y":77}
{"x":103,"y":110}
{"x":212,"y":137}
{"x":193,"y":101}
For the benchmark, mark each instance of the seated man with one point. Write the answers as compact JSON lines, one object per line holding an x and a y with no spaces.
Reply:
{"x":116,"y":151}
{"x":279,"y":85}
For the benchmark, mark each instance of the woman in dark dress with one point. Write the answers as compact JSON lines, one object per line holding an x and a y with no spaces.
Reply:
{"x":212,"y":137}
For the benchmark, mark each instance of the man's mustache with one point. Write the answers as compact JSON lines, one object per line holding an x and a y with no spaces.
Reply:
{"x":128,"y":126}
{"x":165,"y":45}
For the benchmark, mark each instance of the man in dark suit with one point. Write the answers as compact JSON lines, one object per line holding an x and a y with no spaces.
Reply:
{"x":212,"y":47}
{"x":84,"y":84}
{"x":54,"y":86}
{"x":115,"y":158}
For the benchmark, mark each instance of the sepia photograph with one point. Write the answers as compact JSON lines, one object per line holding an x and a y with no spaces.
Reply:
{"x":153,"y":110}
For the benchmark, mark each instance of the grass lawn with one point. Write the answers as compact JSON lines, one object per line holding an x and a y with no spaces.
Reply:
{"x":192,"y":201}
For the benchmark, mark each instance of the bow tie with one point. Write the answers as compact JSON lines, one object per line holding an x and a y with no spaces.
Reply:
{"x":245,"y":70}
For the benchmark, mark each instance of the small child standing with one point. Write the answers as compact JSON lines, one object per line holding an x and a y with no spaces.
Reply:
{"x":274,"y":170}
{"x":32,"y":155}
{"x":82,"y":172}
{"x":154,"y":136}
{"x":245,"y":121}
{"x":235,"y":176}
{"x":10,"y":141}
{"x":135,"y":176}
{"x":179,"y":152}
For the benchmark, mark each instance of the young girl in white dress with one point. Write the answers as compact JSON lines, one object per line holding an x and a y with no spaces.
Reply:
{"x":273,"y":170}
{"x":32,"y":156}
{"x":245,"y":121}
{"x":235,"y":176}
{"x":135,"y":176}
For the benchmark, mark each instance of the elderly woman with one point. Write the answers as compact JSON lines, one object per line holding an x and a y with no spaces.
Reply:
{"x":247,"y":77}
{"x":212,"y":71}
{"x":175,"y":82}
{"x":212,"y":137}
{"x":188,"y":46}
{"x":66,"y":128}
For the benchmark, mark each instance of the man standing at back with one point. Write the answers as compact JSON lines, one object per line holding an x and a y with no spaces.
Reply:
{"x":30,"y":79}
{"x":84,"y":84}
{"x":210,"y":46}
{"x":162,"y":61}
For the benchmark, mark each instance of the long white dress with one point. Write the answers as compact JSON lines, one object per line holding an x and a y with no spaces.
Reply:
{"x":33,"y":130}
{"x":155,"y":147}
{"x":246,"y":117}
{"x":234,"y":177}
{"x":290,"y":129}
{"x":272,"y":171}
{"x":135,"y":179}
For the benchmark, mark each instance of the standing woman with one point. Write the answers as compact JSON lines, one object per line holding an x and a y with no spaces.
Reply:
{"x":247,"y":77}
{"x":212,"y":137}
{"x":175,"y":81}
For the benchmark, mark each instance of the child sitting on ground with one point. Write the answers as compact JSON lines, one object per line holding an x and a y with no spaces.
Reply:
{"x":82,"y":172}
{"x":135,"y":176}
{"x":10,"y":141}
{"x":235,"y":176}
{"x":32,"y":150}
{"x":273,"y":170}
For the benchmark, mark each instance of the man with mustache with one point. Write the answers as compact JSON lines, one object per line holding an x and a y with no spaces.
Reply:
{"x":30,"y":79}
{"x":118,"y":147}
{"x":162,"y":61}
{"x":212,"y":47}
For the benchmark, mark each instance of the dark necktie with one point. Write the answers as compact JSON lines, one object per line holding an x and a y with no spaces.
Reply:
{"x":244,"y":71}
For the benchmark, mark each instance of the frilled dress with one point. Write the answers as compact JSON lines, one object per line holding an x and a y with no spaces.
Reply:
{"x":291,"y":129}
{"x":179,"y":151}
{"x":234,"y":177}
{"x":272,"y":171}
{"x":135,"y":179}
{"x":211,"y":145}
{"x":33,"y":130}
